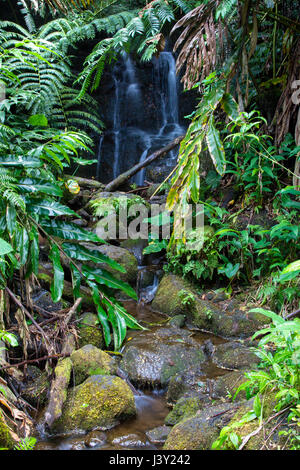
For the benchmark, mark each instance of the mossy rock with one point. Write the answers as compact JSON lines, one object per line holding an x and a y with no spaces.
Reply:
{"x":234,"y":355}
{"x":156,"y":363}
{"x":229,"y":321}
{"x":171,"y":304}
{"x":177,"y":321}
{"x":226,"y":385}
{"x":126,"y":259}
{"x":90,"y":331}
{"x":184,"y":408}
{"x":98,"y":403}
{"x":6,"y":440}
{"x":201,"y":430}
{"x":258,"y":440}
{"x":90,"y":360}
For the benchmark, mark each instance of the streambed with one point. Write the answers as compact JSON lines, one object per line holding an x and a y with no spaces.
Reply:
{"x":151,"y":403}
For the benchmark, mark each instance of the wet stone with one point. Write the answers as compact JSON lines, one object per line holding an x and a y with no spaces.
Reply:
{"x":95,"y":439}
{"x":158,"y":435}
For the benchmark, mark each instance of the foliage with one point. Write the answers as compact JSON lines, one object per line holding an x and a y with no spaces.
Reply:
{"x":279,"y":351}
{"x":32,"y":159}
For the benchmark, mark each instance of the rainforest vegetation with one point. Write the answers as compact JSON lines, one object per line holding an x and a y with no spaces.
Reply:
{"x":238,"y":62}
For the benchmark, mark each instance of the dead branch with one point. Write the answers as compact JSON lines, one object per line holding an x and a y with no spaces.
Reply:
{"x":139,"y":166}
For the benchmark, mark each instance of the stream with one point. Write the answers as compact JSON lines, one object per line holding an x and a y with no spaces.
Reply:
{"x":151,"y":404}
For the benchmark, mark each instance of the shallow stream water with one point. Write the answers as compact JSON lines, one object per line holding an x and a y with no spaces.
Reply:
{"x":151,"y":405}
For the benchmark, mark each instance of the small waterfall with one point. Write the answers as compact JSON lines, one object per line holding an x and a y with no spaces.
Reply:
{"x":99,"y":157}
{"x":133,"y":137}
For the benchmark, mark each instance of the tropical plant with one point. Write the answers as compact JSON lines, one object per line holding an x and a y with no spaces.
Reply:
{"x":278,"y":375}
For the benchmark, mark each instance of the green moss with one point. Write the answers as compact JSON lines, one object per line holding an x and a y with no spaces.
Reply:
{"x":99,"y":402}
{"x":89,"y":359}
{"x":90,"y":331}
{"x":6,"y":441}
{"x":184,"y":408}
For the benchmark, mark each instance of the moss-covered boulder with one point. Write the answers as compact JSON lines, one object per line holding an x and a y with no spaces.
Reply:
{"x":257,"y":433}
{"x":226,"y":385}
{"x":98,"y":403}
{"x":170,"y":304}
{"x":200,"y":431}
{"x":90,"y":360}
{"x":234,"y":355}
{"x":185,"y":408}
{"x":126,"y":259}
{"x":228,"y":318}
{"x":6,"y":440}
{"x":90,"y":331}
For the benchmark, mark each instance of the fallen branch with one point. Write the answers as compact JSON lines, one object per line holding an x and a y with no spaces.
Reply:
{"x":139,"y":166}
{"x":86,"y":182}
{"x":31,"y":361}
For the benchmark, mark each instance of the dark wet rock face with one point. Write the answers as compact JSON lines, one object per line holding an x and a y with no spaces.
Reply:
{"x":234,"y":356}
{"x":165,"y":353}
{"x":158,"y":435}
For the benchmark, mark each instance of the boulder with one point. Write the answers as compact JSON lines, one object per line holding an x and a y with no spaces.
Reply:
{"x":228,"y":319}
{"x":234,"y":355}
{"x":98,"y":403}
{"x":90,"y":360}
{"x":122,"y":256}
{"x":160,"y":355}
{"x":201,"y":430}
{"x":90,"y":331}
{"x":158,"y":435}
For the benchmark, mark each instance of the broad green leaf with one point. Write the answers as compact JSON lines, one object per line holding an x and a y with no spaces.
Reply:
{"x":215,"y":147}
{"x":57,"y":284}
{"x":5,"y":247}
{"x":81,"y":253}
{"x":50,"y":208}
{"x":69,"y":231}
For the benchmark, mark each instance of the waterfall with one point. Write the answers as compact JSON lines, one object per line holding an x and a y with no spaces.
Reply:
{"x":133,"y":136}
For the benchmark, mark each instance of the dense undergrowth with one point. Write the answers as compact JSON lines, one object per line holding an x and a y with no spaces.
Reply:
{"x":245,"y":121}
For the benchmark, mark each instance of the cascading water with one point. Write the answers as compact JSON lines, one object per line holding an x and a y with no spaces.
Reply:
{"x":134,"y":136}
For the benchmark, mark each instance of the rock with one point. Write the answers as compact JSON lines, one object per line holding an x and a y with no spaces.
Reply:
{"x":158,"y":435}
{"x":177,"y":321}
{"x":6,"y":440}
{"x":234,"y":355}
{"x":135,"y":247}
{"x":90,"y":331}
{"x":187,"y":383}
{"x":132,"y":441}
{"x":98,"y":403}
{"x":160,"y":355}
{"x":185,"y":408}
{"x":90,"y":360}
{"x":201,"y":430}
{"x":170,"y":304}
{"x":95,"y":438}
{"x":126,"y":259}
{"x":226,"y":385}
{"x":58,"y":391}
{"x":225,"y":318}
